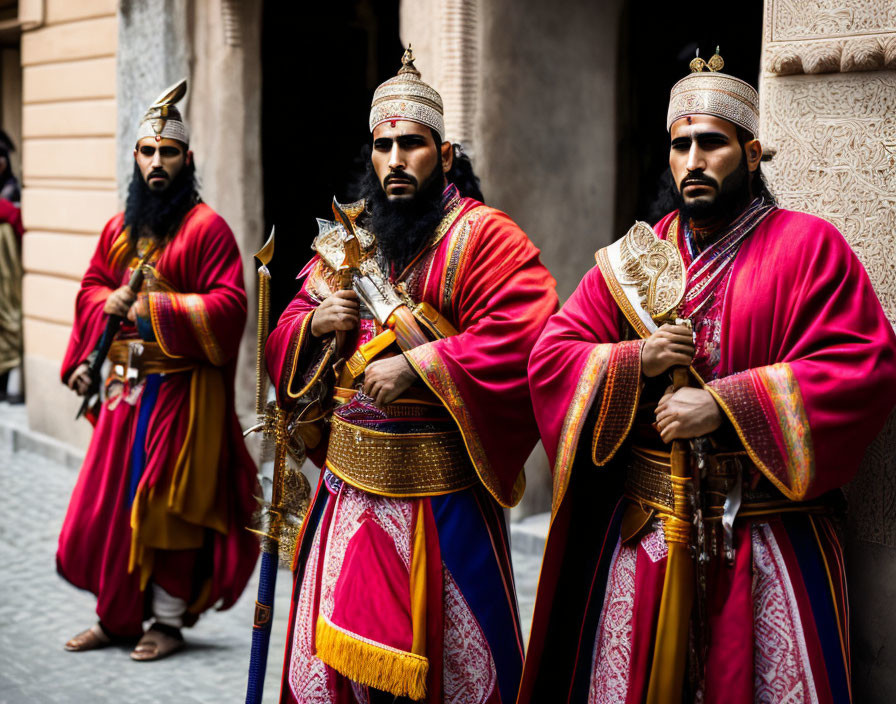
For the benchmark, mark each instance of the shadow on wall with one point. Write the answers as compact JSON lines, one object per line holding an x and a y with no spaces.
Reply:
{"x":317,"y":84}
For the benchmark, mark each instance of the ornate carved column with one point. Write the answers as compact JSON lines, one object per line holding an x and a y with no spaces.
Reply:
{"x":828,"y":96}
{"x":444,"y":34}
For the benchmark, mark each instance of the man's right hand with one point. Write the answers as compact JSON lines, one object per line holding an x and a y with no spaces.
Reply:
{"x":79,"y":380}
{"x":339,"y":311}
{"x":670,"y":346}
{"x":120,"y":301}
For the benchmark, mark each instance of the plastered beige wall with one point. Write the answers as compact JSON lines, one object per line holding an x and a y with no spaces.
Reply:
{"x":69,"y":187}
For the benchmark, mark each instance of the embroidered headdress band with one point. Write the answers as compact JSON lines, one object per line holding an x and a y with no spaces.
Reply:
{"x":714,"y":93}
{"x":407,"y":97}
{"x":163,"y":120}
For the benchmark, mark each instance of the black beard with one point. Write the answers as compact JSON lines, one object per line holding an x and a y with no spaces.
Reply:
{"x":159,"y":213}
{"x":403,"y":226}
{"x":732,"y":197}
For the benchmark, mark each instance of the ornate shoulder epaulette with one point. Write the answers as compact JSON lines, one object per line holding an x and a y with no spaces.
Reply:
{"x":645,"y":275}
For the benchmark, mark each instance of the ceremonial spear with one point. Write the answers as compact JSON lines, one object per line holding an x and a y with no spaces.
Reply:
{"x":274,"y":423}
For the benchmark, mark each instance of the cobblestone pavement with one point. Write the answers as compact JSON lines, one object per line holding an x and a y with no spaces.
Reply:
{"x":39,"y":612}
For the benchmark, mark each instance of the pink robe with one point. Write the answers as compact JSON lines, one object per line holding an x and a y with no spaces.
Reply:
{"x":197,"y":314}
{"x":806,"y":377}
{"x":355,"y":562}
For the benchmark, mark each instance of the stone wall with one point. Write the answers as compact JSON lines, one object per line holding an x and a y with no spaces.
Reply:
{"x":829,"y":111}
{"x":69,"y":184}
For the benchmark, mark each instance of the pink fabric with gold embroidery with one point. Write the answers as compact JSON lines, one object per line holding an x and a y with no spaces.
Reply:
{"x":201,"y":320}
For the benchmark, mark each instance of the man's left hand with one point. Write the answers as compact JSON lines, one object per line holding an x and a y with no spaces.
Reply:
{"x":140,"y":308}
{"x":386,"y":379}
{"x":687,"y":413}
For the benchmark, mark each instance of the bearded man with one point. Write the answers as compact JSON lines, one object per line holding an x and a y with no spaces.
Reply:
{"x":403,"y":582}
{"x":156,"y":524}
{"x":691,"y":554}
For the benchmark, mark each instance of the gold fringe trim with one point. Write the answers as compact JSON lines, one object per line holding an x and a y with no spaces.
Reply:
{"x":400,"y":673}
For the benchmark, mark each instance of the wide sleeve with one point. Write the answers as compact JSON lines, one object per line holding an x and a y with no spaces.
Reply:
{"x":581,"y":372}
{"x":295,"y":359}
{"x":806,"y":412}
{"x":207,"y":322}
{"x":503,"y":297}
{"x":100,"y":280}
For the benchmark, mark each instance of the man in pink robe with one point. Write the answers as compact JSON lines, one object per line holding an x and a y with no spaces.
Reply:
{"x":403,"y":587}
{"x":156,"y":527}
{"x":723,"y":582}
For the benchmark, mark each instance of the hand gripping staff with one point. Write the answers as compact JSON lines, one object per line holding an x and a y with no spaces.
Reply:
{"x":289,"y":490}
{"x":101,"y":350}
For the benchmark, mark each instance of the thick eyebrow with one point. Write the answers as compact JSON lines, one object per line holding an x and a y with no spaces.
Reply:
{"x":405,"y":140}
{"x":411,"y":139}
{"x":701,"y":137}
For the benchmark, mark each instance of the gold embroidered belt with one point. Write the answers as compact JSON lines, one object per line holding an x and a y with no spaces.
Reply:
{"x":649,"y":484}
{"x":134,"y":359}
{"x":399,"y":465}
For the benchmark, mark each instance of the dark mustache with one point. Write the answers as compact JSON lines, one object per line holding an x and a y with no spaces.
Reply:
{"x":157,"y":172}
{"x":698,"y":179}
{"x":399,"y":175}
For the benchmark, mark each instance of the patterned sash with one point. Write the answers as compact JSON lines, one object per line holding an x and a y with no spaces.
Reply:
{"x":710,"y":267}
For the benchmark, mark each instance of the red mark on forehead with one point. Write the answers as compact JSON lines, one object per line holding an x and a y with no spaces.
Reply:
{"x":158,"y":138}
{"x":392,"y":124}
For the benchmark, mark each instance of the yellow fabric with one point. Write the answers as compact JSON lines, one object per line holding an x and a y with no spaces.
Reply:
{"x":418,"y":584}
{"x":10,"y":299}
{"x":366,"y":352}
{"x":386,"y":669}
{"x":671,"y":645}
{"x":175,"y":515}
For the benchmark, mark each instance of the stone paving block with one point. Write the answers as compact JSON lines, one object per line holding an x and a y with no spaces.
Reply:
{"x":39,"y":611}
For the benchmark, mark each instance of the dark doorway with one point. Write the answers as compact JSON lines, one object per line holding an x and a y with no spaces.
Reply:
{"x":657,"y":41}
{"x":318,"y":78}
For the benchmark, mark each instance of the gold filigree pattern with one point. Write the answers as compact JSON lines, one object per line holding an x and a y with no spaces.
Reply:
{"x":399,"y":465}
{"x":655,"y":266}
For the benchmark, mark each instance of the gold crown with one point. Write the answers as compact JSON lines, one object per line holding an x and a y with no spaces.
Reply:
{"x":162,"y":119}
{"x":707,"y":91}
{"x":406,"y":96}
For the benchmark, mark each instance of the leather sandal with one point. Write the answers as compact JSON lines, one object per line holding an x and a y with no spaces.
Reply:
{"x":91,"y":639}
{"x":157,"y":643}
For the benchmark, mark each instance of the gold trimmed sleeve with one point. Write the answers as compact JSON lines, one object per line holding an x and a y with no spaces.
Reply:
{"x":307,"y":360}
{"x":610,"y":386}
{"x":426,"y":362}
{"x":766,"y":408}
{"x":183,"y":328}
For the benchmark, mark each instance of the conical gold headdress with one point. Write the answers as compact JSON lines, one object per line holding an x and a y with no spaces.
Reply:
{"x":713,"y":93}
{"x":162,"y":119}
{"x":407,"y":97}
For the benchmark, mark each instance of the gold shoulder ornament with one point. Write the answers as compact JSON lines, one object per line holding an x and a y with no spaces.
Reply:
{"x":645,"y":275}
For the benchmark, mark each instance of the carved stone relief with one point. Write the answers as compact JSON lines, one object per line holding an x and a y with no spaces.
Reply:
{"x":824,"y":36}
{"x":836,"y":157}
{"x":790,"y":20}
{"x":835,"y":138}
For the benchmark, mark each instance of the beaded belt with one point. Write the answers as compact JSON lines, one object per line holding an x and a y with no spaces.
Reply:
{"x":399,"y":465}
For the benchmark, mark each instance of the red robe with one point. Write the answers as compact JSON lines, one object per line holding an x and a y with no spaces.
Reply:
{"x":165,"y":492}
{"x":806,"y":377}
{"x":484,"y":276}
